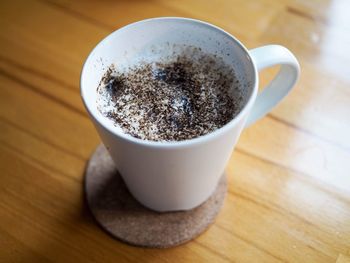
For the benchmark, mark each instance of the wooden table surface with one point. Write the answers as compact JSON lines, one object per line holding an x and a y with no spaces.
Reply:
{"x":289,"y":177}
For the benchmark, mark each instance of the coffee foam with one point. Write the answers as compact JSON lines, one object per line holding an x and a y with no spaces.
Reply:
{"x":166,"y":114}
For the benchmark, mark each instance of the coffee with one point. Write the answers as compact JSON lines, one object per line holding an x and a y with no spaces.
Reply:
{"x":175,"y":99}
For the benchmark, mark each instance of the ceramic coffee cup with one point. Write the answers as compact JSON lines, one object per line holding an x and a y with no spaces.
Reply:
{"x":180,"y":175}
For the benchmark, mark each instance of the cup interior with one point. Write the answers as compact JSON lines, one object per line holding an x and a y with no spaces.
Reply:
{"x":153,"y":39}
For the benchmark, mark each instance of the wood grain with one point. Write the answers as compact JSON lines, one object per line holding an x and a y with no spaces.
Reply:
{"x":289,"y":197}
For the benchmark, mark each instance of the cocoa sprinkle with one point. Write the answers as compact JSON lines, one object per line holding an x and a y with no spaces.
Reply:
{"x":171,"y":101}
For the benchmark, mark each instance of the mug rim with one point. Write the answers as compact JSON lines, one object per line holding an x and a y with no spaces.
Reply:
{"x":173,"y":144}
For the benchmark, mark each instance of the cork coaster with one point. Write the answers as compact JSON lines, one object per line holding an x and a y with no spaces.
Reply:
{"x":117,"y":212}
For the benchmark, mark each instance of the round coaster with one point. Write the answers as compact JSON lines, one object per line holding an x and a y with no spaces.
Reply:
{"x":117,"y":211}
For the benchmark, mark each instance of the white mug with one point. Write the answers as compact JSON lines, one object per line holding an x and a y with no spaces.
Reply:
{"x":180,"y":175}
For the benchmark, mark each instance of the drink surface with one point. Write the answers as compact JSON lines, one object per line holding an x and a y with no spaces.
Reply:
{"x":182,"y":97}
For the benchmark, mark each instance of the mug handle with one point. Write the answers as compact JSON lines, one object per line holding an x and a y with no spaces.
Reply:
{"x":280,"y":86}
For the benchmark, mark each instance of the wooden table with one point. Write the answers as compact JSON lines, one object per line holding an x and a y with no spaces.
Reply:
{"x":289,"y":178}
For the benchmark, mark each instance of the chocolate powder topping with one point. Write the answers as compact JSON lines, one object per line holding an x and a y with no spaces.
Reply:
{"x":173,"y":100}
